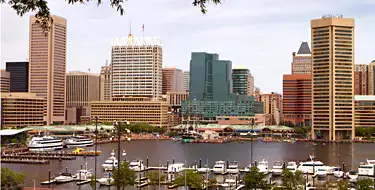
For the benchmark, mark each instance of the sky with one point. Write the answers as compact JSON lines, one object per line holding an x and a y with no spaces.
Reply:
{"x":258,"y":34}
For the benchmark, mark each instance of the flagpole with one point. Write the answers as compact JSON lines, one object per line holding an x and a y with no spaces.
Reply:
{"x":143,"y":33}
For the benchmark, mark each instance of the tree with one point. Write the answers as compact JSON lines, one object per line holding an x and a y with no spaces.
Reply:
{"x":343,"y":185}
{"x":155,"y":177}
{"x":11,"y":180}
{"x":293,"y":180}
{"x":255,"y":179}
{"x":193,"y":180}
{"x":365,"y":184}
{"x":43,"y":14}
{"x":93,"y":182}
{"x":127,"y":176}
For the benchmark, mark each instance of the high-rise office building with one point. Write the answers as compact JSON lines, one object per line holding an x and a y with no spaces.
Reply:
{"x":172,"y":80}
{"x":81,"y":89}
{"x":332,"y":37}
{"x":272,"y":104}
{"x":19,"y":76}
{"x":243,"y":81}
{"x":360,"y":79}
{"x":371,"y":78}
{"x":297,"y":99}
{"x":302,"y":60}
{"x":105,"y":83}
{"x":210,"y":78}
{"x":186,"y":81}
{"x":137,"y":67}
{"x":4,"y":81}
{"x":47,"y":66}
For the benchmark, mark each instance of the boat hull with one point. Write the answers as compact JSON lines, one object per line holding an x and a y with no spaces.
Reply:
{"x":79,"y":145}
{"x":64,"y":180}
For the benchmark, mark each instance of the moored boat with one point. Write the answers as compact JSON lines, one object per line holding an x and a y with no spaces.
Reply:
{"x":110,"y":163}
{"x":219,"y":167}
{"x":292,"y":166}
{"x":106,"y":180}
{"x":78,"y":141}
{"x":263,"y":166}
{"x":233,"y":167}
{"x":64,"y":178}
{"x":44,"y":143}
{"x":277,"y":168}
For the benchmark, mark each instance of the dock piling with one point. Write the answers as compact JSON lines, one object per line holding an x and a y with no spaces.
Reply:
{"x":227,"y":164}
{"x":195,"y":165}
{"x":167,"y":164}
{"x":173,"y":161}
{"x":200,"y":163}
{"x":147,"y":162}
{"x":49,"y":176}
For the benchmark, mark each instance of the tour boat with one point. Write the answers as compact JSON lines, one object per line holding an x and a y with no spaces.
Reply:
{"x":219,"y":167}
{"x":107,"y":179}
{"x":248,"y":168}
{"x":175,"y":168}
{"x":263,"y":166}
{"x":78,"y":141}
{"x":137,"y":165}
{"x":110,"y":163}
{"x":309,"y":166}
{"x":352,"y":175}
{"x":337,"y":172}
{"x":367,"y":169}
{"x":44,"y":143}
{"x":292,"y":166}
{"x":64,"y":177}
{"x":233,"y":167}
{"x":277,"y":168}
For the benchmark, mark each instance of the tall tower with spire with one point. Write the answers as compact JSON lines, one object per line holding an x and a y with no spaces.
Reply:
{"x":302,"y":60}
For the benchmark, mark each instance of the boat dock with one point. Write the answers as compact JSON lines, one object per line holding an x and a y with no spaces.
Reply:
{"x":38,"y":157}
{"x":22,"y":161}
{"x":82,"y":153}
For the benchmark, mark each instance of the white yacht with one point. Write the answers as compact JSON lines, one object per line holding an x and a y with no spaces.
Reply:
{"x":78,"y":141}
{"x":219,"y":167}
{"x":277,"y":168}
{"x":107,"y":180}
{"x":44,"y":143}
{"x":263,"y":166}
{"x":353,"y":175}
{"x":292,"y":166}
{"x":110,"y":163}
{"x":175,"y":168}
{"x":248,"y":168}
{"x":83,"y":174}
{"x":203,"y":170}
{"x":233,"y":167}
{"x":321,"y":171}
{"x":367,"y":169}
{"x":337,"y":172}
{"x":64,"y":177}
{"x":137,"y":165}
{"x":308,"y":167}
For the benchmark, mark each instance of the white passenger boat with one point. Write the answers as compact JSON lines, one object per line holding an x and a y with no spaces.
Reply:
{"x":78,"y":141}
{"x":337,"y":172}
{"x":83,"y":175}
{"x":44,"y":143}
{"x":175,"y":168}
{"x":292,"y":166}
{"x":367,"y":169}
{"x":263,"y":166}
{"x":107,"y":180}
{"x":64,"y":177}
{"x":110,"y":163}
{"x":277,"y":168}
{"x":137,"y":165}
{"x":233,"y":167}
{"x":219,"y":167}
{"x":308,"y":167}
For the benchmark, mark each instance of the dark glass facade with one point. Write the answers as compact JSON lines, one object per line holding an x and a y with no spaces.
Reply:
{"x":19,"y":76}
{"x":240,"y":80}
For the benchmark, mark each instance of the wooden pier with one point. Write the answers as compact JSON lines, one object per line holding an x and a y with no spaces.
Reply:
{"x":23,"y":161}
{"x":37,"y":157}
{"x":82,"y":153}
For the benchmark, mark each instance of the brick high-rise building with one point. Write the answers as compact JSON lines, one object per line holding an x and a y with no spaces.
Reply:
{"x":5,"y":81}
{"x":19,"y":76}
{"x":81,"y":89}
{"x":272,"y":104}
{"x":297,"y":99}
{"x":302,"y":60}
{"x":186,"y":81}
{"x":105,"y":83}
{"x":172,"y":80}
{"x":371,"y":78}
{"x":360,"y":81}
{"x":137,"y":68}
{"x":47,"y":66}
{"x":332,"y":37}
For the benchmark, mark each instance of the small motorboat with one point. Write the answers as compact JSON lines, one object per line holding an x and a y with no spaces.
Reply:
{"x":277,"y":168}
{"x":263,"y":166}
{"x":64,"y":178}
{"x":175,"y":168}
{"x":110,"y":163}
{"x":233,"y":167}
{"x":292,"y":166}
{"x":219,"y":167}
{"x":137,"y":165}
{"x":203,"y":170}
{"x":353,"y":175}
{"x":248,"y":168}
{"x":106,"y":180}
{"x":337,"y":172}
{"x":83,"y":175}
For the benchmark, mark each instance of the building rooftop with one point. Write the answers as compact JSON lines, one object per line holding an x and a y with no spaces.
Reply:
{"x":237,"y":128}
{"x":304,"y":48}
{"x":364,"y":97}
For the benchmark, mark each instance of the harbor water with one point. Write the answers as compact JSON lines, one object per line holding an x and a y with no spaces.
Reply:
{"x":159,"y":151}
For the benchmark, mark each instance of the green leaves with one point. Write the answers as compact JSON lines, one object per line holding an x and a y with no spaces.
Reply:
{"x":10,"y":179}
{"x":293,"y":180}
{"x":255,"y":179}
{"x":155,"y":177}
{"x":193,"y":180}
{"x":365,"y":184}
{"x":125,"y":177}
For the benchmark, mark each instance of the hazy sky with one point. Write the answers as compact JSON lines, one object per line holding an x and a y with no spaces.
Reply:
{"x":259,"y":34}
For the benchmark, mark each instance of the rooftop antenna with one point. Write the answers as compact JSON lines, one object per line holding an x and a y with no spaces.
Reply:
{"x":89,"y":70}
{"x":106,"y":62}
{"x":130,"y":28}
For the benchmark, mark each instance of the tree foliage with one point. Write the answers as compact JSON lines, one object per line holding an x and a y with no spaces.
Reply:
{"x":365,"y":184}
{"x":11,"y":180}
{"x":155,"y":177}
{"x":125,"y":177}
{"x":255,"y":179}
{"x":293,"y":180}
{"x":194,"y":180}
{"x":343,"y":185}
{"x":364,"y":131}
{"x":43,"y":12}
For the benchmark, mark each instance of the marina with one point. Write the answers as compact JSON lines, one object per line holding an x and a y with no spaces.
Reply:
{"x":162,"y":154}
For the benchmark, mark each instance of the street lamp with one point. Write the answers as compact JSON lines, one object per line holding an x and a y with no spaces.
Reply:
{"x":96,"y":118}
{"x":124,"y":155}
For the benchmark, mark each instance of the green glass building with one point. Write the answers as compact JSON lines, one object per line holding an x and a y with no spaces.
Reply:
{"x":240,"y":81}
{"x":210,"y":78}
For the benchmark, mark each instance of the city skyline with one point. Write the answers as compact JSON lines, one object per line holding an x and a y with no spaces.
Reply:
{"x":270,"y":44}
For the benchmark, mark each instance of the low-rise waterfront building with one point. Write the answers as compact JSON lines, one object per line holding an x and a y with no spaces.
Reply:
{"x":4,"y":81}
{"x":21,"y":110}
{"x":364,"y":114}
{"x":153,"y":112}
